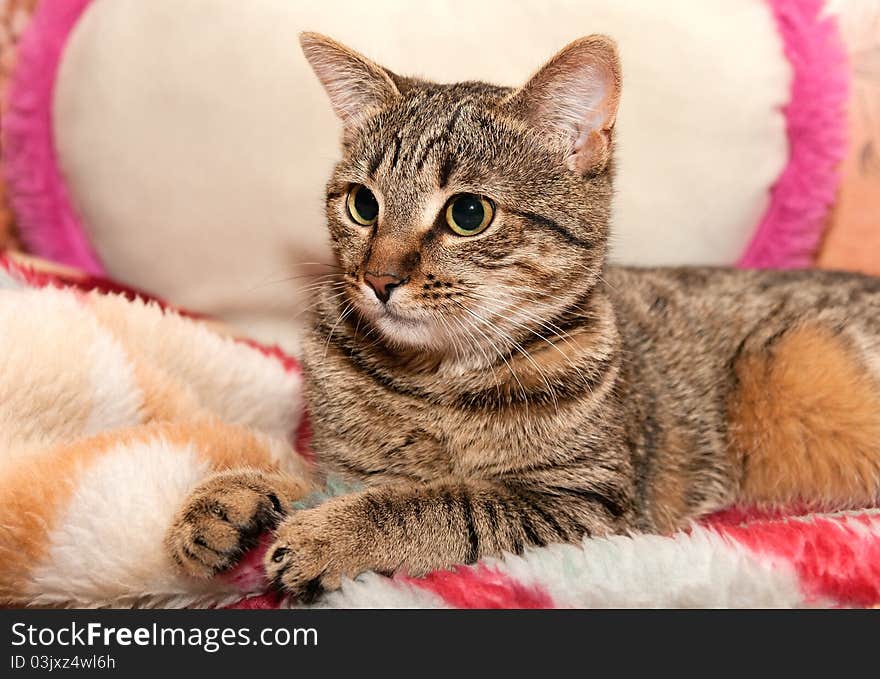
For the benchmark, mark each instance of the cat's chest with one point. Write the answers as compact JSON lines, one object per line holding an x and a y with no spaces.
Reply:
{"x":366,"y":426}
{"x":375,"y":422}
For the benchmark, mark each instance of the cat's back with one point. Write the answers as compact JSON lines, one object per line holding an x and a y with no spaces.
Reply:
{"x":687,"y":332}
{"x":727,"y":283}
{"x":726,"y":366}
{"x":718,"y":307}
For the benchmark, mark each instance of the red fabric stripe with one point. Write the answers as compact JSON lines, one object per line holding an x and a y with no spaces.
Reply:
{"x":261,"y":602}
{"x":84,"y":282}
{"x":482,"y":587}
{"x":834,"y":557}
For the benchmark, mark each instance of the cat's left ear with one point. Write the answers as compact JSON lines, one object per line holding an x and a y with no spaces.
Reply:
{"x":574,"y":98}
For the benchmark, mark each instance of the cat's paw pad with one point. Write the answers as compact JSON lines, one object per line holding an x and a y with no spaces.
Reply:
{"x":224,"y":518}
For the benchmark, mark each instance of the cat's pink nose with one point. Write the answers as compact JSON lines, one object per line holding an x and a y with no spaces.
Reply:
{"x":383,"y":284}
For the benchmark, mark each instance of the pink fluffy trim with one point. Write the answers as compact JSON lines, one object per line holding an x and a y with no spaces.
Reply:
{"x":38,"y":194}
{"x":790,"y":231}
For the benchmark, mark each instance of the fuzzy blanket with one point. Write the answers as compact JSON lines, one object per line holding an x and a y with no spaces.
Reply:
{"x":113,"y":408}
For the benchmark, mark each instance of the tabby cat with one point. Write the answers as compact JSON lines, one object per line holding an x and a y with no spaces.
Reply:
{"x":495,"y":384}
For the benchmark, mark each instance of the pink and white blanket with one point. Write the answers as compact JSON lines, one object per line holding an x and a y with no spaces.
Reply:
{"x":112,"y":408}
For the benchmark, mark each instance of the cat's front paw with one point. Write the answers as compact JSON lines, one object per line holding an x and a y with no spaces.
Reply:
{"x":310,"y":556}
{"x":224,"y":518}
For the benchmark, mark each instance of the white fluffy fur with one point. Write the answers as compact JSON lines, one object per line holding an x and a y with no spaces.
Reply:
{"x":695,"y":569}
{"x":62,"y":375}
{"x":106,"y":549}
{"x":75,"y":365}
{"x":116,"y":398}
{"x":376,"y":591}
{"x":7,"y":282}
{"x":234,"y":381}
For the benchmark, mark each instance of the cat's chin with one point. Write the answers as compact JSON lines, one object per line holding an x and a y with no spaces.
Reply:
{"x":428,"y":338}
{"x":405,"y":331}
{"x":409,"y":330}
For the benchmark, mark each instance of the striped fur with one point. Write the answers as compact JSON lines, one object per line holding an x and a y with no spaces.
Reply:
{"x":514,"y":390}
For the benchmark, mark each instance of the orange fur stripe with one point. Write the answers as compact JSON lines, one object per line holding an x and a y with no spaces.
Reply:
{"x":36,"y":490}
{"x":805,"y":422}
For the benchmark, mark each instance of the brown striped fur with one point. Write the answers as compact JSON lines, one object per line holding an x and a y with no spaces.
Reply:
{"x":516,"y":390}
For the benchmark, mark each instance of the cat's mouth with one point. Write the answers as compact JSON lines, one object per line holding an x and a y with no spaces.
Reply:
{"x":399,"y":324}
{"x":405,"y":330}
{"x":393,"y":318}
{"x":397,"y":317}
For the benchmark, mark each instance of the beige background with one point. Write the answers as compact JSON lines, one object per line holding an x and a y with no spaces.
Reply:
{"x":197,"y":142}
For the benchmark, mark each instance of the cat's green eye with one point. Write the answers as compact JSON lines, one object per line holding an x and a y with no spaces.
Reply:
{"x":362,"y":205}
{"x":468,"y":214}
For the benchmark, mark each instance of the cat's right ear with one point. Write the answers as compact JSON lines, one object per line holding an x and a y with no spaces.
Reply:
{"x":354,"y":84}
{"x":573,"y":99}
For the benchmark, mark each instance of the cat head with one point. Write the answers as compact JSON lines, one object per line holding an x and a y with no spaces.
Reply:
{"x":466,"y":217}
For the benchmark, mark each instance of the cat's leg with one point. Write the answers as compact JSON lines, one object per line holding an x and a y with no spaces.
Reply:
{"x":417,"y":529}
{"x":804,"y":418}
{"x":253,"y":480}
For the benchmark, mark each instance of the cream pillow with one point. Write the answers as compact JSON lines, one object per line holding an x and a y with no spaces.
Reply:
{"x":196,"y":140}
